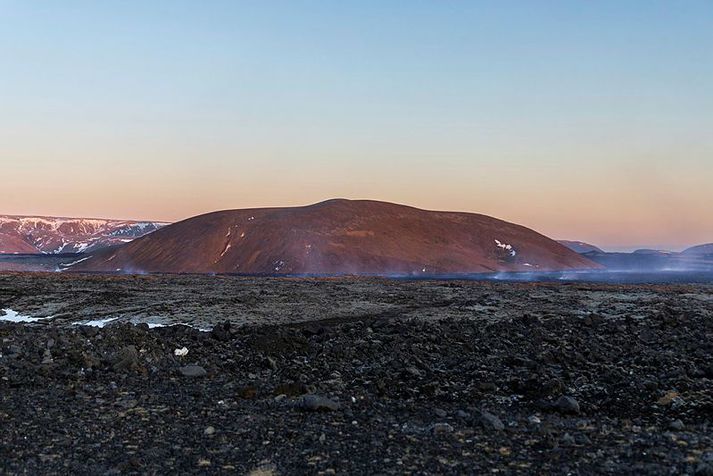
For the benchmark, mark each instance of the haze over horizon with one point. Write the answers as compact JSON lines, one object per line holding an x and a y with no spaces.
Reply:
{"x":586,"y":121}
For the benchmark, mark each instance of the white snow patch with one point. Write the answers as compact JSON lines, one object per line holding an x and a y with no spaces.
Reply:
{"x":96,"y":322}
{"x":155,"y":325}
{"x":81,"y":247}
{"x":13,"y":316}
{"x":506,"y":247}
{"x":67,"y":265}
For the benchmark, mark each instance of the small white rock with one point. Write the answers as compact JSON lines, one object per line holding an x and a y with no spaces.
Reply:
{"x":181,"y":352}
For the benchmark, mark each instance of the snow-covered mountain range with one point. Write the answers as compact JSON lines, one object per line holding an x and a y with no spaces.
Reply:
{"x":54,"y":235}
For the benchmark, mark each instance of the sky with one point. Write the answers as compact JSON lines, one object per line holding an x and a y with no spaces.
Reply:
{"x":583,"y":120}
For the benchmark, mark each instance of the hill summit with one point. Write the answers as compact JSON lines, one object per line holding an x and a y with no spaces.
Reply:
{"x":338,"y":237}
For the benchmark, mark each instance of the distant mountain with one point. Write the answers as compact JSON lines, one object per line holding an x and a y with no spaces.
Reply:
{"x":647,"y":251}
{"x":53,"y":235}
{"x":697,"y":258}
{"x":700,"y":250}
{"x":580,"y":246}
{"x":339,"y":237}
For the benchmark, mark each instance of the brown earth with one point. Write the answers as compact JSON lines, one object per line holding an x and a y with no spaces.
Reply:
{"x":14,"y":244}
{"x":339,"y":237}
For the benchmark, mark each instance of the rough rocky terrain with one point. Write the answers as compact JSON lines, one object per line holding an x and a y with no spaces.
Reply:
{"x":354,"y":376}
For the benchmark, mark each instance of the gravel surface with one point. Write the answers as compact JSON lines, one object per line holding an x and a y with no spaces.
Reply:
{"x":354,"y":376}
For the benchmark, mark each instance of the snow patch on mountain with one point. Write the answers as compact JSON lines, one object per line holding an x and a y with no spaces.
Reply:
{"x":506,"y":247}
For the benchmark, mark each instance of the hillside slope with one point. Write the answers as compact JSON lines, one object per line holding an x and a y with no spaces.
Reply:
{"x":700,"y":250}
{"x":338,"y":237}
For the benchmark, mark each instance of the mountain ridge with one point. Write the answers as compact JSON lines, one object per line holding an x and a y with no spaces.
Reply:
{"x":55,"y":235}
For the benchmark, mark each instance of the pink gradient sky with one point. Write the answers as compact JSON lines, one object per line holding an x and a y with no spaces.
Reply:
{"x":583,"y":121}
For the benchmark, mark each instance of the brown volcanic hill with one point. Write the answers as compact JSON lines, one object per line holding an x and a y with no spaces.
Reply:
{"x":14,"y":244}
{"x":339,"y":237}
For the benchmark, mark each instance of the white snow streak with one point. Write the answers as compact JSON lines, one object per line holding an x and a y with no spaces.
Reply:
{"x":13,"y":316}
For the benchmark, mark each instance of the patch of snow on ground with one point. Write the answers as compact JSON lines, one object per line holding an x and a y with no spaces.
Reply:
{"x":13,"y":316}
{"x":155,"y":325}
{"x":96,"y":322}
{"x":67,"y":265}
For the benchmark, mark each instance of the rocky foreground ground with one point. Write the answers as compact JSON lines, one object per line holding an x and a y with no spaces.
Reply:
{"x":355,"y":377}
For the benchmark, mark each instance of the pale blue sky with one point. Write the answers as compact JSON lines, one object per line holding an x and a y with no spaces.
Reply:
{"x":583,"y":120}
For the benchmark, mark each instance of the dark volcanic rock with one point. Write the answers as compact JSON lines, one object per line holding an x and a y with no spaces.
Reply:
{"x":368,"y":377}
{"x":491,"y":421}
{"x":317,"y":403}
{"x":193,"y":371}
{"x":566,"y":404}
{"x":127,"y":359}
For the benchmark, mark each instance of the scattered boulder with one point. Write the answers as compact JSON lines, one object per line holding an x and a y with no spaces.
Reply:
{"x":667,"y":399}
{"x":568,"y":440}
{"x":247,"y":392}
{"x":534,"y":420}
{"x":127,"y":359}
{"x":441,"y":428}
{"x":567,"y":405}
{"x":316,"y":403}
{"x":676,"y":425}
{"x":193,"y":371}
{"x":490,"y":421}
{"x":291,"y":389}
{"x":221,"y":332}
